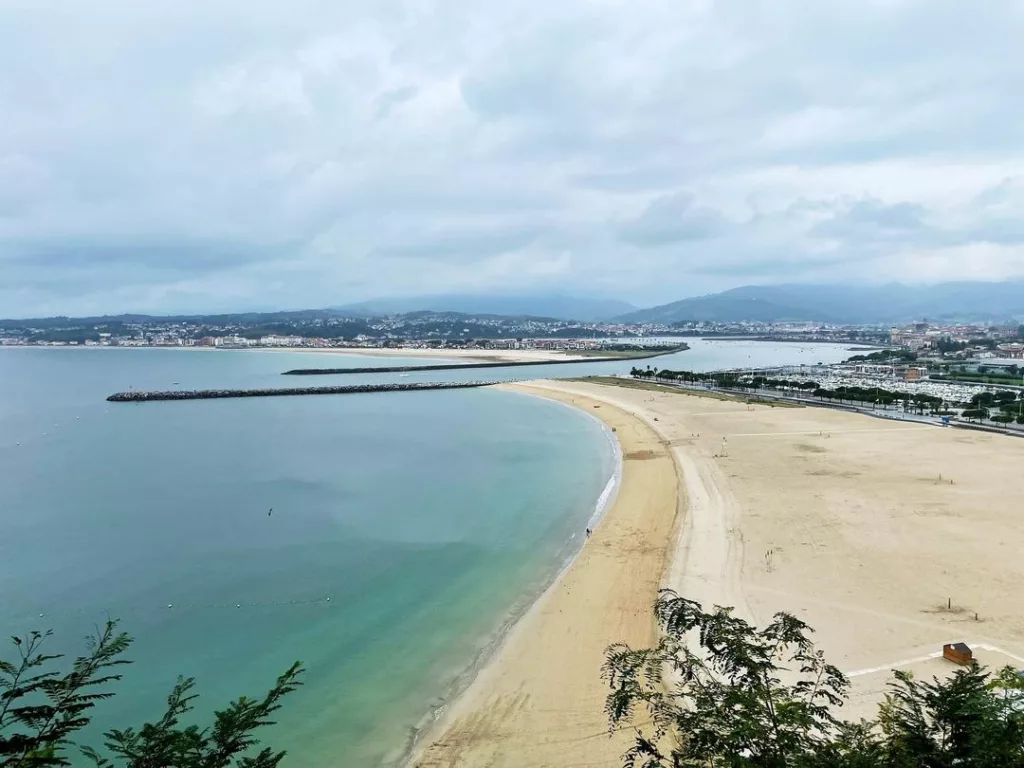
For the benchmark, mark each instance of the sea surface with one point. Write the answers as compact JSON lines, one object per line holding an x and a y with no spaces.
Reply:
{"x":385,"y":540}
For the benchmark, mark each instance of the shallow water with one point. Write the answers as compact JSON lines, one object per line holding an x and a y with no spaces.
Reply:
{"x":425,"y":519}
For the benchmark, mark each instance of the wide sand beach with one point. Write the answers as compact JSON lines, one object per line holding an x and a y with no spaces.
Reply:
{"x":889,"y":538}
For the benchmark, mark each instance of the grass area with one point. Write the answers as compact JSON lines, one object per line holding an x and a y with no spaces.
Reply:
{"x":652,"y":386}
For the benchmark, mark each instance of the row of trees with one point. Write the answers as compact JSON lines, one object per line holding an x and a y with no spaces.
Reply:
{"x":885,"y":356}
{"x":716,"y":692}
{"x":43,"y":708}
{"x":910,"y":400}
{"x":1008,"y":407}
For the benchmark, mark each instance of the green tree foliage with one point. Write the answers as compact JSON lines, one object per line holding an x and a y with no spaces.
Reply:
{"x":716,"y":692}
{"x":41,"y":708}
{"x":727,"y":700}
{"x":946,"y":344}
{"x":885,"y":356}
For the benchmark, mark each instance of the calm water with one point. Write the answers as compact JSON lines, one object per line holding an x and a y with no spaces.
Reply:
{"x":427,"y":519}
{"x":424,"y":518}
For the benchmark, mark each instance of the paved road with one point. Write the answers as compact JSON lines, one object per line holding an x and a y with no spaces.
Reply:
{"x":896,"y":414}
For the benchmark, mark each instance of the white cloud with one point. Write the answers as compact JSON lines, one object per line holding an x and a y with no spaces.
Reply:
{"x":168,"y":156}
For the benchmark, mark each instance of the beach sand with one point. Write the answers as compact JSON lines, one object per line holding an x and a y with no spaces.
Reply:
{"x":888,"y":538}
{"x":540,"y":701}
{"x":868,"y":529}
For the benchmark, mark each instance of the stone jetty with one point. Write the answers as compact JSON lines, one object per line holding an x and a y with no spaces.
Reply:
{"x":141,"y":396}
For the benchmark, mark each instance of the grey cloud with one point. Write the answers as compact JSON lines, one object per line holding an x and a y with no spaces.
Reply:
{"x":871,"y":218}
{"x":198,"y":154}
{"x":166,"y":256}
{"x":459,"y":245}
{"x":671,"y":219}
{"x":386,"y":101}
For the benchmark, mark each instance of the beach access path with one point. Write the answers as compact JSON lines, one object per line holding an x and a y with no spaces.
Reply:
{"x":540,"y":700}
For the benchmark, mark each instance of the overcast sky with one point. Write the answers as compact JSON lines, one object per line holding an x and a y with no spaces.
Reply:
{"x":258,"y":154}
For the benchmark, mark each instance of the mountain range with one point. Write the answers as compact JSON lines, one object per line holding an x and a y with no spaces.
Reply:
{"x":845,"y":304}
{"x":556,"y":306}
{"x":978,"y":302}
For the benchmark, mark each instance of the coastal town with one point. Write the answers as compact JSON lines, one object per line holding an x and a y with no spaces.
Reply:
{"x":965,"y":372}
{"x":326,"y":329}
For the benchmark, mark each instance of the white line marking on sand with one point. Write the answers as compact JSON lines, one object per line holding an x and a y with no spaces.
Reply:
{"x":928,"y":657}
{"x":832,"y":432}
{"x":894,"y":665}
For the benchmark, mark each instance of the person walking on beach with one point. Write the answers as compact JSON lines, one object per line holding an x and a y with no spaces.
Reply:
{"x":588,"y":533}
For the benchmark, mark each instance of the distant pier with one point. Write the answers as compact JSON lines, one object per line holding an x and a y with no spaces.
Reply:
{"x":463,"y":366}
{"x":142,"y":396}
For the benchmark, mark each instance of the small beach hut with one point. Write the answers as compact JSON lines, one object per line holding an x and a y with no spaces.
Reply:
{"x":958,"y":653}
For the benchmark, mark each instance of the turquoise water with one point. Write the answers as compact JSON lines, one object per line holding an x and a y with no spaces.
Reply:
{"x":427,"y":519}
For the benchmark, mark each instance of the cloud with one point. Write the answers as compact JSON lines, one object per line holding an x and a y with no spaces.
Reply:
{"x":455,"y":245}
{"x":670,"y":219}
{"x":228,"y":155}
{"x":872,"y":219}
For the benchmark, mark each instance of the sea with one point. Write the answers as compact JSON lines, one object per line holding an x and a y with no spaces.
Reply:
{"x":386,"y":541}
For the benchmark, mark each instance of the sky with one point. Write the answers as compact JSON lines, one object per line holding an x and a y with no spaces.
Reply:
{"x":252,"y":154}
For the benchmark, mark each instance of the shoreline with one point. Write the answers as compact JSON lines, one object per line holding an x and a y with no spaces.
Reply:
{"x":430,"y":725}
{"x":541,"y":683}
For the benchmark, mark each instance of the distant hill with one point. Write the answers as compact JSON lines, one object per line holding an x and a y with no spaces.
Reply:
{"x":892,"y":303}
{"x":556,"y":306}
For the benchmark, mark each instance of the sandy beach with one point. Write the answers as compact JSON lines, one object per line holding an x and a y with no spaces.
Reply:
{"x":888,"y":538}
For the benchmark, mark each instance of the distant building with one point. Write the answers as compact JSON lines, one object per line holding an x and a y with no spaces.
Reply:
{"x":914,"y":374}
